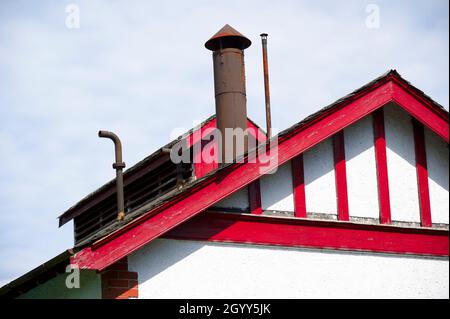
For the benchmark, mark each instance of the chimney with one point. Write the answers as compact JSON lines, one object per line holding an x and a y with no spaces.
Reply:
{"x":229,"y":85}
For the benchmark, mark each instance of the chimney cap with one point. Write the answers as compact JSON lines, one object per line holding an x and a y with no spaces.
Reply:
{"x":227,"y":37}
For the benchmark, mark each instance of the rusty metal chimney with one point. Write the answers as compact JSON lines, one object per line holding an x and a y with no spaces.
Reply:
{"x":229,"y":85}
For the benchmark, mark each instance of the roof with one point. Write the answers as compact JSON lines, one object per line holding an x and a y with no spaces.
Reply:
{"x":109,"y":188}
{"x":156,"y":218}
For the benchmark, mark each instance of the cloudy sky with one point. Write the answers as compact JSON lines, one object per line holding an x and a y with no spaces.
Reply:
{"x":139,"y":68}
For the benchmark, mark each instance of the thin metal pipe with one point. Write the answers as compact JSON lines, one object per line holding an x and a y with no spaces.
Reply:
{"x":119,"y":165}
{"x":266,"y":84}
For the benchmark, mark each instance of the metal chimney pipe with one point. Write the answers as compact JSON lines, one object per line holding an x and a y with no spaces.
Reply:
{"x":266,"y":84}
{"x":229,"y":85}
{"x":119,"y":165}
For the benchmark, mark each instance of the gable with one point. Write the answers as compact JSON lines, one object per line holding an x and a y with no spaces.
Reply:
{"x":292,"y":142}
{"x":321,"y":195}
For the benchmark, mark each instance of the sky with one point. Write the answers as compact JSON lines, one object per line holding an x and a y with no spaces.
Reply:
{"x":140,"y":69}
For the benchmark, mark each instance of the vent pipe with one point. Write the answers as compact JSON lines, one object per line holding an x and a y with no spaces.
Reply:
{"x":119,"y":165}
{"x":266,"y":84}
{"x":229,"y":85}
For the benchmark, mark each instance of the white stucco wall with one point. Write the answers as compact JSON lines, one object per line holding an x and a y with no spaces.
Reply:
{"x":238,"y":199}
{"x":401,"y":161}
{"x":320,"y":187}
{"x":277,"y":190}
{"x":437,"y":164}
{"x":189,"y":269}
{"x":320,"y":184}
{"x":362,"y":182}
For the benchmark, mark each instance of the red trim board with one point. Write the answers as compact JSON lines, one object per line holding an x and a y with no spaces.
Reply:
{"x":437,"y":121}
{"x":422,"y":174}
{"x":341,"y":175}
{"x":296,"y":232}
{"x":298,"y":181}
{"x":254,"y":197}
{"x":382,"y":168}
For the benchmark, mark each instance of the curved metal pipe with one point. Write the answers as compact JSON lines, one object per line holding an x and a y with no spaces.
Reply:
{"x":119,"y":165}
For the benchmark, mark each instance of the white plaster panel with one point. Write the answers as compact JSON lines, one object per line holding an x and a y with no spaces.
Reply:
{"x":320,"y":183}
{"x":188,"y":269}
{"x":238,"y":199}
{"x":362,"y":182}
{"x":277,"y":190}
{"x":401,"y":160}
{"x":437,"y":164}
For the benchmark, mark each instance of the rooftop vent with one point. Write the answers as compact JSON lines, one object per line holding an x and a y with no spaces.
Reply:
{"x":142,"y":190}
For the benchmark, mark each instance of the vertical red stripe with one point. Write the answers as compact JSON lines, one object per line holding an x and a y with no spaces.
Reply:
{"x":298,"y":180}
{"x":382,"y":170}
{"x":341,"y":175}
{"x":422,"y":174}
{"x":254,"y":197}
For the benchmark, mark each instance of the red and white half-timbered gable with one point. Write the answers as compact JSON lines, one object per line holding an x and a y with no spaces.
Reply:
{"x":353,"y":201}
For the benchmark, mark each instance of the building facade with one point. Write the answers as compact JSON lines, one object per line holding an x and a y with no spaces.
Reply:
{"x":356,"y":205}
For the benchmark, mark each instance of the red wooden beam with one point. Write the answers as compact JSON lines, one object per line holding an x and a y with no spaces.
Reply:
{"x":435,"y":120}
{"x":382,"y":169}
{"x":340,"y":175}
{"x":296,"y":232}
{"x":422,"y":174}
{"x":254,"y":197}
{"x":298,"y":180}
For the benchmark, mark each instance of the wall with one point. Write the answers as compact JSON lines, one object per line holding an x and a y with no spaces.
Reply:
{"x":361,"y":169}
{"x":437,"y":164}
{"x":188,"y":269}
{"x":320,"y":187}
{"x":320,"y":184}
{"x":237,"y":200}
{"x":401,"y":161}
{"x":277,"y":191}
{"x":55,"y":288}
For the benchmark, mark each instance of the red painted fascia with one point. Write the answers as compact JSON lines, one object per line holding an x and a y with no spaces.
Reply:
{"x":306,"y":233}
{"x":430,"y":116}
{"x":171,"y":214}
